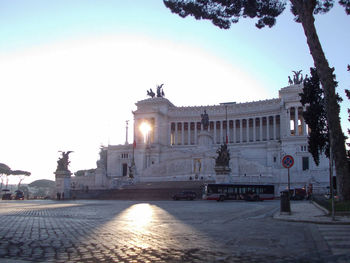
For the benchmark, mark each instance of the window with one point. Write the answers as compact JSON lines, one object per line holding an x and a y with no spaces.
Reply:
{"x":305,"y":161}
{"x":125,"y":169}
{"x":303,"y":148}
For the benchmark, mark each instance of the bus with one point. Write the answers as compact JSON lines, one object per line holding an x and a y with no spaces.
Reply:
{"x":221,"y":192}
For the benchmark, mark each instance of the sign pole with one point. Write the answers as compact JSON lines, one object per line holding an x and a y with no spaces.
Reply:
{"x":288,"y":182}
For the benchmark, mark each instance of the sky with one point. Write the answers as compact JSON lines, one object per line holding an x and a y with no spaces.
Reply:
{"x":72,"y":71}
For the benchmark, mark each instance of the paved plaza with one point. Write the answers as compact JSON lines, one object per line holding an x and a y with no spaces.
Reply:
{"x":163,"y":231}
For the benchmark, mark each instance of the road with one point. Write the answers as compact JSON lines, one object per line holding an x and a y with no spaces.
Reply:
{"x":158,"y":231}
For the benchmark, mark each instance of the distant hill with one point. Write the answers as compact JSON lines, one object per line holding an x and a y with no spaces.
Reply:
{"x":42,"y":183}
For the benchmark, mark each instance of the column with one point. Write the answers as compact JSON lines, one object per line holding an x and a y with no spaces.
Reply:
{"x":240,"y":131}
{"x":195,"y":133}
{"x":260,"y":131}
{"x":274,"y":127}
{"x":254,"y":129}
{"x":228,"y":131}
{"x":214,"y":132}
{"x":175,"y":135}
{"x":221,"y":131}
{"x":189,"y":133}
{"x":267,"y":128}
{"x":288,"y":122}
{"x":234,"y":131}
{"x":169,"y":134}
{"x":296,"y":132}
{"x":304,"y":125}
{"x":247,"y":131}
{"x":182,"y":133}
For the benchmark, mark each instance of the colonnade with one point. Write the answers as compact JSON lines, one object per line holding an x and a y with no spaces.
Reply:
{"x":296,"y":124}
{"x":240,"y":130}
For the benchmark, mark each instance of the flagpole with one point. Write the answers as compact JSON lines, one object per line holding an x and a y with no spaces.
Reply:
{"x":226,"y":125}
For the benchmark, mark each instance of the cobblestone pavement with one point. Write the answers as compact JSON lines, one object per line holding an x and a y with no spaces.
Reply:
{"x":158,"y":231}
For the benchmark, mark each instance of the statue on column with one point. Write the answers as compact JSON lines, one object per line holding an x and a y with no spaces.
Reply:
{"x":63,"y":162}
{"x":205,"y":120}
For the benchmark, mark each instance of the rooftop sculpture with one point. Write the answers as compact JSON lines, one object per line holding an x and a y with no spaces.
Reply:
{"x":63,"y":162}
{"x":160,"y":92}
{"x":297,"y":78}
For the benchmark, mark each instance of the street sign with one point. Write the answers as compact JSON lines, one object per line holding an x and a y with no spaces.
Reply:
{"x":287,"y":161}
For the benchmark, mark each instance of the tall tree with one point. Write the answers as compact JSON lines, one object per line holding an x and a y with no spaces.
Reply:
{"x":347,"y":92}
{"x":315,"y":116}
{"x":223,"y":13}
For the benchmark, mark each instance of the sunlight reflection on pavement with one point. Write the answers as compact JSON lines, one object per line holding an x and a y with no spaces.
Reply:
{"x":157,"y":231}
{"x":149,"y":226}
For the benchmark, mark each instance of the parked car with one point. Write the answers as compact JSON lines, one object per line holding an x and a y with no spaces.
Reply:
{"x":252,"y":197}
{"x":297,"y":194}
{"x":185,"y":195}
{"x":7,"y":196}
{"x":19,"y":195}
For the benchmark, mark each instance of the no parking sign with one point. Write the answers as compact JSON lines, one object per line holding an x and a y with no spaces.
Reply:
{"x":287,"y":161}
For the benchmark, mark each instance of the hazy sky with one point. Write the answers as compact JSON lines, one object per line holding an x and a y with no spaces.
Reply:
{"x":71,"y":71}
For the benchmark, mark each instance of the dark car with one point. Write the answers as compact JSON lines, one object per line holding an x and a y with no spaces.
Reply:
{"x":19,"y":195}
{"x":7,"y":196}
{"x":185,"y":195}
{"x":297,"y":194}
{"x":251,"y":196}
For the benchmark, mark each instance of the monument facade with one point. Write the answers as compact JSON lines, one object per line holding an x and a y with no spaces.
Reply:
{"x":181,"y":144}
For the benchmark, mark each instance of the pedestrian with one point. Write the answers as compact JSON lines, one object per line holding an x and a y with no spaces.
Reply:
{"x":58,"y":196}
{"x":63,"y":196}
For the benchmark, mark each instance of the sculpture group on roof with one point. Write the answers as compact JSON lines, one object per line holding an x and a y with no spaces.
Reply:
{"x":297,"y":78}
{"x":160,"y":92}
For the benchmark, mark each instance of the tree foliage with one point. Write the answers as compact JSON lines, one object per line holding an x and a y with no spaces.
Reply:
{"x":315,"y":116}
{"x":347,"y":92}
{"x":224,"y":13}
{"x":4,"y":169}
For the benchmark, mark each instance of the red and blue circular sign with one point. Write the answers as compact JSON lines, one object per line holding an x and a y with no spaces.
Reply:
{"x":287,"y":161}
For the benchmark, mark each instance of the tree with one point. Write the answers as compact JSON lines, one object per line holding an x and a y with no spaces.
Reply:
{"x":6,"y":171}
{"x":223,"y":13}
{"x":21,"y":174}
{"x":315,"y":115}
{"x":347,"y":92}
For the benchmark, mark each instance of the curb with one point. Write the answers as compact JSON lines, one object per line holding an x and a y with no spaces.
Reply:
{"x":321,"y":208}
{"x":279,"y":216}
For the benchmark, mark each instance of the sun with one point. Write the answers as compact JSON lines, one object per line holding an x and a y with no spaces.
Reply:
{"x":145,"y":128}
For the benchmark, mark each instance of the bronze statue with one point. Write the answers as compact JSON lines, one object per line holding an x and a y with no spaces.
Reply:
{"x":223,"y":158}
{"x":63,"y":162}
{"x":298,"y":77}
{"x":205,"y":120}
{"x":160,"y":92}
{"x":150,"y":93}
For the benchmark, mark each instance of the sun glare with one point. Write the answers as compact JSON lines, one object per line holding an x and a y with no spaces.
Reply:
{"x":140,"y":215}
{"x":145,"y":128}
